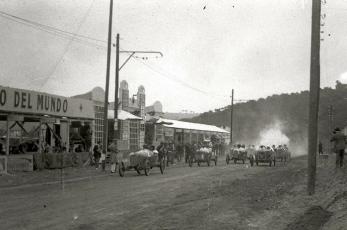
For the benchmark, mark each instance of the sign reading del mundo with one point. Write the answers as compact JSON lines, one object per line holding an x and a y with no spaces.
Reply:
{"x":32,"y":102}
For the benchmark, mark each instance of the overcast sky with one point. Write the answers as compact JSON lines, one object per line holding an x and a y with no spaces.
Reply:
{"x":257,"y":47}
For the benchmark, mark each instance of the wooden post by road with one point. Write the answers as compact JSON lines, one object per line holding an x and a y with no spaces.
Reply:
{"x":314,"y":95}
{"x":105,"y":133}
{"x":116,"y":132}
{"x":231,"y":116}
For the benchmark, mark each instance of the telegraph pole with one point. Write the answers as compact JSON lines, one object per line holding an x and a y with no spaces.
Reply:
{"x":231,"y":116}
{"x":115,"y":132}
{"x":105,"y":141}
{"x":314,"y":95}
{"x":331,"y":125}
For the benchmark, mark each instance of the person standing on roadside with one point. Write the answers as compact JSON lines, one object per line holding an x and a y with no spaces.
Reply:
{"x":113,"y":155}
{"x":339,"y":140}
{"x":97,"y":154}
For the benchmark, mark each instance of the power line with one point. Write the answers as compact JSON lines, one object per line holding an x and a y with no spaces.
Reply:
{"x":87,"y":40}
{"x":47,"y":27}
{"x":180,"y":81}
{"x":67,"y":47}
{"x":57,"y":33}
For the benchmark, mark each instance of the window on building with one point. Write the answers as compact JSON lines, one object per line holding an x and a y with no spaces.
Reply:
{"x":134,"y":135}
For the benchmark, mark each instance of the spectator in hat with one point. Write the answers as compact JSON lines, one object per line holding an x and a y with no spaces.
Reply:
{"x":339,"y":140}
{"x":97,"y":154}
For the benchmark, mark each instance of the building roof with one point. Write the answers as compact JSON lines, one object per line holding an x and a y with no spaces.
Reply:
{"x":96,"y":94}
{"x":191,"y":126}
{"x":122,"y":115}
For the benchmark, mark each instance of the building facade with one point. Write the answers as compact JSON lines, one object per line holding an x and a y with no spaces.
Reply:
{"x":131,"y":113}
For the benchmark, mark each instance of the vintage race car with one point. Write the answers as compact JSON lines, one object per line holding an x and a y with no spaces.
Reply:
{"x":237,"y":154}
{"x":251,"y":154}
{"x":141,"y":160}
{"x":203,"y":155}
{"x":265,"y":155}
{"x":282,"y":154}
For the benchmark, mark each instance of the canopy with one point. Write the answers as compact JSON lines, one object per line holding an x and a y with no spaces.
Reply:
{"x":191,"y":126}
{"x":122,"y":115}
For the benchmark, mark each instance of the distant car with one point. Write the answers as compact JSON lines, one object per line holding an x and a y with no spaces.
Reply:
{"x":203,"y":155}
{"x":265,"y":155}
{"x":237,"y":153}
{"x":251,"y":154}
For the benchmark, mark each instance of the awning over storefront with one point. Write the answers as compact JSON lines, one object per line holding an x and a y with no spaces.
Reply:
{"x":122,"y":115}
{"x":191,"y":126}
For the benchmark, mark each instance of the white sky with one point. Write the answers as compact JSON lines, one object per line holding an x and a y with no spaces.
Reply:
{"x":257,"y":47}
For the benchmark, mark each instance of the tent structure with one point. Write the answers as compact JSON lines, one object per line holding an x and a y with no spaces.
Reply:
{"x":122,"y":115}
{"x":190,"y":126}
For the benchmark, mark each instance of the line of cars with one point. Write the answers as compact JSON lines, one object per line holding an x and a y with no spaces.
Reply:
{"x":147,"y":159}
{"x":258,"y":155}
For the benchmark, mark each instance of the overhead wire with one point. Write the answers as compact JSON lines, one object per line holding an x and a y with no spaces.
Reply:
{"x":49,"y":28}
{"x":67,"y":47}
{"x":90,"y":41}
{"x":179,"y":81}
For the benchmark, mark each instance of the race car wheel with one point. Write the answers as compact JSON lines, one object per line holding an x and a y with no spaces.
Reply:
{"x":121,"y":170}
{"x":137,"y":170}
{"x":147,"y":168}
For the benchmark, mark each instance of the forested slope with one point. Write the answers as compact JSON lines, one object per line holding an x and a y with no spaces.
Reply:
{"x":286,"y":112}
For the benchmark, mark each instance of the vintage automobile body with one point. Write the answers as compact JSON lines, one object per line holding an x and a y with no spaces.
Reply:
{"x":251,"y":154}
{"x":237,"y":153}
{"x":282,"y":154}
{"x":203,"y":155}
{"x":141,"y":160}
{"x":265,"y":155}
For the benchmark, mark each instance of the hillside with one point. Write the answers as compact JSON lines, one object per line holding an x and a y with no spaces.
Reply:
{"x":285,"y":115}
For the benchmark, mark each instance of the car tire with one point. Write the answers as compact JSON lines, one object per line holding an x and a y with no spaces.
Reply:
{"x":147,"y":168}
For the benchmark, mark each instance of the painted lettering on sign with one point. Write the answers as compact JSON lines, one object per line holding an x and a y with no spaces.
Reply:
{"x":26,"y":101}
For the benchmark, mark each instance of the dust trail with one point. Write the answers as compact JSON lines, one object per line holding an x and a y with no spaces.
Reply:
{"x":273,"y":135}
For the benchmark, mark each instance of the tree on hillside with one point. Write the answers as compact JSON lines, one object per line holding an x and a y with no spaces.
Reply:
{"x":291,"y":110}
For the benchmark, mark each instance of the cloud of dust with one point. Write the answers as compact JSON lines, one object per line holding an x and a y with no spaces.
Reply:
{"x":273,"y":135}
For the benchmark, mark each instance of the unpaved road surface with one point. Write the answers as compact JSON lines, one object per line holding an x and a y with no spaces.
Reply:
{"x":217,"y":197}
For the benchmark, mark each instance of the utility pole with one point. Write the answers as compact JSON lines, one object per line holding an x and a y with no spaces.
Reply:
{"x":105,"y":141}
{"x":330,"y":125}
{"x":314,"y":95}
{"x":231,"y":116}
{"x":116,"y":132}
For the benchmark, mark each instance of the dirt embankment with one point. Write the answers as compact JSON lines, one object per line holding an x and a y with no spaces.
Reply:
{"x":327,"y":209}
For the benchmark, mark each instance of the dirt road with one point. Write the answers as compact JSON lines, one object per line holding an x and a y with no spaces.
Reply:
{"x":216,"y":197}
